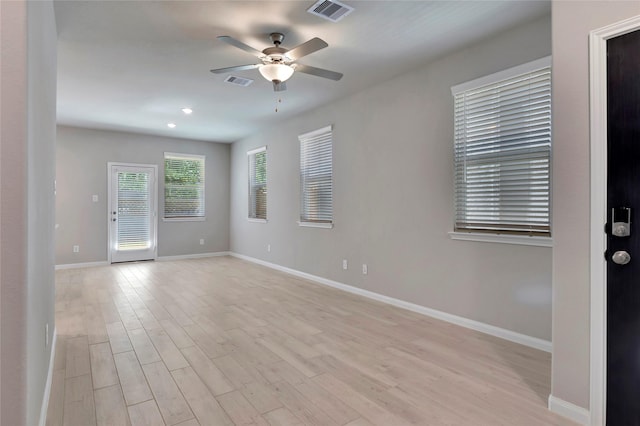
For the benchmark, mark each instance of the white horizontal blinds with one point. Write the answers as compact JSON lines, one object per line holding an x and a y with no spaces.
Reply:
{"x":183,"y":186}
{"x":502,"y":156}
{"x":134,"y":211}
{"x":316,"y":176}
{"x":258,"y":183}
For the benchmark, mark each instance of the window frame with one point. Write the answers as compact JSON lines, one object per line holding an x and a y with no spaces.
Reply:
{"x":496,"y":235}
{"x":309,"y":137}
{"x":186,"y":157}
{"x":252,"y":154}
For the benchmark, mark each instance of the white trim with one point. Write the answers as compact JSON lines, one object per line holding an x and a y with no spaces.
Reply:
{"x":184,"y":219}
{"x":47,"y":387}
{"x":253,"y":219}
{"x":159,"y":259}
{"x":257,"y":150}
{"x":181,"y":156}
{"x":315,"y":133}
{"x":82,"y":265}
{"x":533,"y":342}
{"x":502,"y":238}
{"x":569,"y":410}
{"x":316,"y":224}
{"x":502,"y":75}
{"x":598,"y":117}
{"x":118,"y":163}
{"x":192,"y":256}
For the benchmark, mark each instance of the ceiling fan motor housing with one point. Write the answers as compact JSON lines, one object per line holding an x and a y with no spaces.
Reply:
{"x":275,"y":54}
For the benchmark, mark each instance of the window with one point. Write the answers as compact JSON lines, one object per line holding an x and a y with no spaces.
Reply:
{"x":183,"y":186}
{"x":503,"y":152}
{"x":258,"y":184}
{"x":316,"y":178}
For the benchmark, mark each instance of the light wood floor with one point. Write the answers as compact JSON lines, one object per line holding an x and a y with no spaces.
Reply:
{"x":221,"y":341}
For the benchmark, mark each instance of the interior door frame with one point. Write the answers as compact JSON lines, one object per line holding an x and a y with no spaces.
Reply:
{"x":154,"y":241}
{"x":598,"y":149}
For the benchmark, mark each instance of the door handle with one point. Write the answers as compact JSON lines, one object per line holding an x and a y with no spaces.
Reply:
{"x":621,"y":257}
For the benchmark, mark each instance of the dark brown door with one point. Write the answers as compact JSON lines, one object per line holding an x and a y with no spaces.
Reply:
{"x":623,"y":200}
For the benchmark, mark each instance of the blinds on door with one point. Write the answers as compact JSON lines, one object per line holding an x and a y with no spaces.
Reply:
{"x":183,"y":186}
{"x":258,"y":183}
{"x":316,"y":176}
{"x":134,"y":211}
{"x":502,"y":155}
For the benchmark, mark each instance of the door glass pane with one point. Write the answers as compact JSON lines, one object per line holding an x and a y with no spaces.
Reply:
{"x":134,"y":207}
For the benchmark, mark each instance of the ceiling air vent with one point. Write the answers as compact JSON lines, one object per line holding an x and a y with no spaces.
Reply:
{"x":239,"y":81}
{"x":330,"y":9}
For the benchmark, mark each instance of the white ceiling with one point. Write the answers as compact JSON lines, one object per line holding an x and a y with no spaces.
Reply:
{"x":132,"y":65}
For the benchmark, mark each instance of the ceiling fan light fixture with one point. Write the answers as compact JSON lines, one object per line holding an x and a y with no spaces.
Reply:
{"x":273,"y":72}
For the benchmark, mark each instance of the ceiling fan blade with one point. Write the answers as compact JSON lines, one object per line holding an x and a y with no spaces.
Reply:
{"x":319,"y":72}
{"x":240,"y":45}
{"x":306,"y":48}
{"x":279,"y":87}
{"x":237,"y":68}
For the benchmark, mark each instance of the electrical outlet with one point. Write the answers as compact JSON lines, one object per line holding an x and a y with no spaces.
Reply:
{"x":345,"y":265}
{"x":46,"y":335}
{"x":365,"y":270}
{"x":201,"y":241}
{"x":268,"y":248}
{"x":76,"y":249}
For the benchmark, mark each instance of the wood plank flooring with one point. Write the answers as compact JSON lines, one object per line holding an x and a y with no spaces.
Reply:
{"x":221,"y":341}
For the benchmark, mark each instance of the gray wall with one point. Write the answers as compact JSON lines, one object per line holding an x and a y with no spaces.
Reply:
{"x":28,"y":42}
{"x":572,"y":22}
{"x":393,"y":197}
{"x":82,"y":158}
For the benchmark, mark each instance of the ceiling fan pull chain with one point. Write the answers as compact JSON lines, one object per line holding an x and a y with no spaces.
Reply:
{"x":277,"y":102}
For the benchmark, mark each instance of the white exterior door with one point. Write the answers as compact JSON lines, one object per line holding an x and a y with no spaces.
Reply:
{"x":132,"y":212}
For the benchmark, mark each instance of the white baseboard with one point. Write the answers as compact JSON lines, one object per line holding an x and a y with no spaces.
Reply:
{"x":533,"y":342}
{"x":47,"y":387}
{"x":192,"y":256}
{"x":81,"y":265}
{"x":569,"y":410}
{"x":159,"y":259}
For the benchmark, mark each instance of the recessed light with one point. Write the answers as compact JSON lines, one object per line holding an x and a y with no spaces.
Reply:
{"x":187,"y":110}
{"x":171,"y":125}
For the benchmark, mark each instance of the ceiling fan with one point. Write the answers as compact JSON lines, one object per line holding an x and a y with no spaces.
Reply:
{"x":278,"y":63}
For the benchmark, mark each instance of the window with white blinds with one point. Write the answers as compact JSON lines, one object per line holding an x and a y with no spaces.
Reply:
{"x":134,"y":211}
{"x":316,"y":177}
{"x":258,"y":183}
{"x":503,"y":152}
{"x":183,"y":186}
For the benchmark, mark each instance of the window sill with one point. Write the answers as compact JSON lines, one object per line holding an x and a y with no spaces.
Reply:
{"x":503,"y":239}
{"x":184,"y":219}
{"x":253,"y":219}
{"x":316,"y":225}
